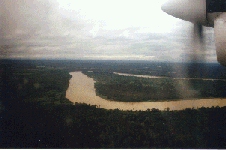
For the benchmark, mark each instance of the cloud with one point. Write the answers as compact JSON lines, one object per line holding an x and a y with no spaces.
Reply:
{"x":120,"y":57}
{"x":43,"y":29}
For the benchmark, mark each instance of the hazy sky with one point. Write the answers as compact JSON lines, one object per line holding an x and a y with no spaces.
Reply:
{"x":95,"y":29}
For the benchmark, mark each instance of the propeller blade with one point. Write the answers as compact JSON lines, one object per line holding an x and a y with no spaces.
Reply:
{"x":198,"y":48}
{"x":197,"y":53}
{"x":198,"y":32}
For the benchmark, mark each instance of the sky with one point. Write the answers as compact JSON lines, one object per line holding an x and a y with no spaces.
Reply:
{"x":97,"y":30}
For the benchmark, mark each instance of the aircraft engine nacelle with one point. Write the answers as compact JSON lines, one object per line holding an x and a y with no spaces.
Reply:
{"x":189,"y":10}
{"x":210,"y":13}
{"x":220,"y":38}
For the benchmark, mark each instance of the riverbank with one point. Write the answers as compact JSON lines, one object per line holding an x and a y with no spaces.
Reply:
{"x":81,"y":90}
{"x":154,"y":77}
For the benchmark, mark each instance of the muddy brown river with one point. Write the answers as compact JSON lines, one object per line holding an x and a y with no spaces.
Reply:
{"x":81,"y":90}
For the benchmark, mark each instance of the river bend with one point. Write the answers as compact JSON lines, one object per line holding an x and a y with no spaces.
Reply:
{"x":81,"y":90}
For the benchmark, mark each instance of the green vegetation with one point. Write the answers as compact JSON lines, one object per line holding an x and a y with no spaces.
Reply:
{"x":36,"y":114}
{"x":83,"y":126}
{"x":134,"y":89}
{"x":42,"y":85}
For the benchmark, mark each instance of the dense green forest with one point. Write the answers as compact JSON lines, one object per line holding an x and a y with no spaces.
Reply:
{"x":134,"y":89}
{"x":35,"y":114}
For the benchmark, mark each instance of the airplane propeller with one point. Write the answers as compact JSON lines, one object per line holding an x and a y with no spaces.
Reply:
{"x":207,"y":13}
{"x":198,"y":44}
{"x":198,"y":31}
